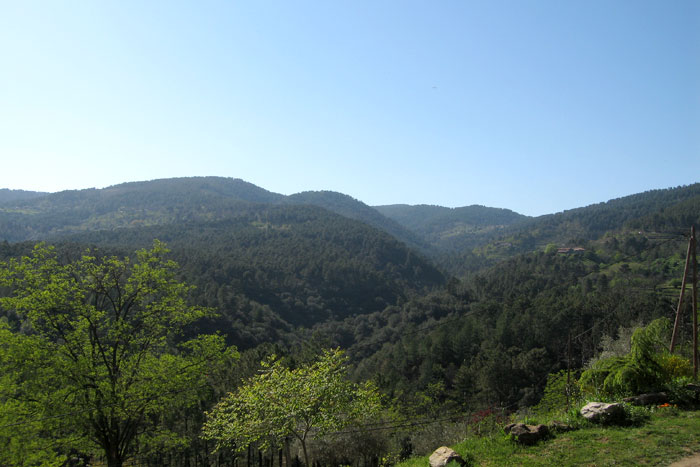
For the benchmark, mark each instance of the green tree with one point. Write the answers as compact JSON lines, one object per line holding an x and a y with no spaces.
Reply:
{"x":102,"y":353}
{"x":551,"y":248}
{"x":313,"y":400}
{"x":640,"y":370}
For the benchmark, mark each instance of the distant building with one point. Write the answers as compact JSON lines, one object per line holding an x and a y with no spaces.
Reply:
{"x":566,"y":251}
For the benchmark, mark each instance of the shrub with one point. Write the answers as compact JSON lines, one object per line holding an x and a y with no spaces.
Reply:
{"x":641,"y":370}
{"x":557,"y":393}
{"x":676,"y":366}
{"x":679,"y":393}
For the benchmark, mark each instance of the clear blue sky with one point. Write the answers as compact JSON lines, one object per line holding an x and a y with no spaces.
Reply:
{"x":533,"y":105}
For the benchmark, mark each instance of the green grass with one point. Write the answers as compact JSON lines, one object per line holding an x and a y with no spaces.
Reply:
{"x":667,"y":436}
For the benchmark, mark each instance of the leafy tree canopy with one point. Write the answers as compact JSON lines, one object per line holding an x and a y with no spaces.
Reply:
{"x":99,"y":358}
{"x":310,"y":401}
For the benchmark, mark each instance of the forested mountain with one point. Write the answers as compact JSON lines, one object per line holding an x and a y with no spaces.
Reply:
{"x":271,"y":263}
{"x":271,"y":268}
{"x":670,"y":210}
{"x":349,"y":207}
{"x":292,"y":275}
{"x":130,"y":204}
{"x":17,"y":195}
{"x":452,"y":229}
{"x":493,"y":339}
{"x":166,"y":201}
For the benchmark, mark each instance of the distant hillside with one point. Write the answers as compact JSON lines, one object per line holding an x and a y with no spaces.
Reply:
{"x":667,"y":211}
{"x":671,"y":210}
{"x":272,"y":268}
{"x":350,"y":207}
{"x":289,"y":271}
{"x":30,"y":216}
{"x":628,"y":212}
{"x":134,"y":204}
{"x":452,"y":228}
{"x":7,"y":196}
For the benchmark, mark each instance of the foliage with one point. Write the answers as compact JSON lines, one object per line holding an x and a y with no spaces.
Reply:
{"x":675,"y":366}
{"x":24,"y":423}
{"x":312,"y":400}
{"x":560,"y":393}
{"x":664,"y":438}
{"x":102,"y":357}
{"x":639,"y":371}
{"x":452,"y":229}
{"x":287,"y":271}
{"x":680,"y":392}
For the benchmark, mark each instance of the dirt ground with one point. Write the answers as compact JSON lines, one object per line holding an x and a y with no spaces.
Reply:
{"x":692,"y":461}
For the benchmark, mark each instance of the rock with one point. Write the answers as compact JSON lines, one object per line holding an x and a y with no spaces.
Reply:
{"x":654,"y":398}
{"x":527,"y":434}
{"x":444,"y":455}
{"x":603,"y":413}
{"x":560,"y":427}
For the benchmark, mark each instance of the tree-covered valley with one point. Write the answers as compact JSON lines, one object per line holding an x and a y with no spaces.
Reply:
{"x":437,"y":311}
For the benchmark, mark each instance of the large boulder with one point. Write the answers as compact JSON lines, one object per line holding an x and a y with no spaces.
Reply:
{"x":527,"y":434}
{"x":444,"y":455}
{"x":601,"y":412}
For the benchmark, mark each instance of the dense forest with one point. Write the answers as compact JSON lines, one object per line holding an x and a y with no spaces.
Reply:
{"x":439,"y":310}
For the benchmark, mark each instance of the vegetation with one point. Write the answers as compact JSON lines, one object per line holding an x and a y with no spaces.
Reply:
{"x":669,"y":435}
{"x":295,"y":276}
{"x":453,"y":229}
{"x":98,"y":359}
{"x":310,"y":401}
{"x":647,"y":367}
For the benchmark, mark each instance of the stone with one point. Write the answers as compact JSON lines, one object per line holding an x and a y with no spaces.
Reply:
{"x":560,"y":427}
{"x":527,"y":434}
{"x":444,"y":455}
{"x":602,"y":412}
{"x":653,"y":398}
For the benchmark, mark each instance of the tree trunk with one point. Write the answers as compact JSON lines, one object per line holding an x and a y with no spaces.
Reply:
{"x":113,"y":457}
{"x":287,"y":452}
{"x":306,"y":456}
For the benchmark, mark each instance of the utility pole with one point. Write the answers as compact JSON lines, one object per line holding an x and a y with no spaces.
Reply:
{"x":568,"y":374}
{"x":676,"y":323}
{"x":693,"y":241}
{"x":691,"y":264}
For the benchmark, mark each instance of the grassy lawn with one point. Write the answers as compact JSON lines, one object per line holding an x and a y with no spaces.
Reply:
{"x":667,"y":436}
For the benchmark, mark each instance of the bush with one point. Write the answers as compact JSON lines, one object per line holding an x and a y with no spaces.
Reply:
{"x":558,"y":393}
{"x":679,"y":393}
{"x":645,"y":368}
{"x":676,"y":366}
